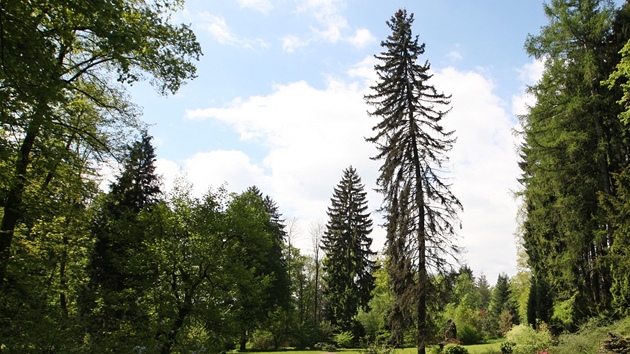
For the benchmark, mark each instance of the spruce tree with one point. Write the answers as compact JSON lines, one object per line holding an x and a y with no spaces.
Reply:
{"x":501,"y":301}
{"x":119,"y":270}
{"x":419,"y":207}
{"x":348,"y":265}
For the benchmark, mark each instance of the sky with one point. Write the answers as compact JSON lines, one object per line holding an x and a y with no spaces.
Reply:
{"x":278,"y":103}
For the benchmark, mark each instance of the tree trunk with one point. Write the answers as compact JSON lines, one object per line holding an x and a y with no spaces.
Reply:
{"x":13,"y":206}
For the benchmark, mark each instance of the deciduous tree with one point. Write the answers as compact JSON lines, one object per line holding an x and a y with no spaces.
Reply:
{"x":60,"y":56}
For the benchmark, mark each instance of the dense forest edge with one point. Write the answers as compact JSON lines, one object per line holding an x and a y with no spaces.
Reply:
{"x":137,"y":269}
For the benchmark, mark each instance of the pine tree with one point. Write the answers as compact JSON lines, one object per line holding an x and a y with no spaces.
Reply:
{"x":419,"y":206}
{"x":348,"y":264}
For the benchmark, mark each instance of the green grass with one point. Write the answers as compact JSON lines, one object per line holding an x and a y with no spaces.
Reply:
{"x":492,"y":347}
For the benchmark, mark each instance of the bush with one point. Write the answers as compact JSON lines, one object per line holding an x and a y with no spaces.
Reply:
{"x":344,"y":339}
{"x":454,"y":349}
{"x":468,"y":334}
{"x":378,"y":349}
{"x":327,"y":347}
{"x":263,"y":340}
{"x":506,"y":347}
{"x":527,"y":340}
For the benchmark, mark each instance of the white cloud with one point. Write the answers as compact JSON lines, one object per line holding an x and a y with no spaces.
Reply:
{"x":529,"y":74}
{"x":169,"y":170}
{"x":313,"y":134}
{"x":455,"y":55}
{"x":215,"y":168}
{"x":365,"y":70}
{"x":291,"y":42}
{"x":326,"y":12}
{"x":485,"y":169}
{"x":219,"y":29}
{"x":361,"y":38}
{"x":332,"y":26}
{"x":262,"y":6}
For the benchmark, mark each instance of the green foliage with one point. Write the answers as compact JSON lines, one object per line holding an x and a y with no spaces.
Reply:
{"x":527,"y":340}
{"x":502,"y":302}
{"x":467,"y":321}
{"x":344,"y":339}
{"x":620,"y":77}
{"x":618,"y":210}
{"x":468,"y":334}
{"x":262,"y":340}
{"x":64,"y":110}
{"x":506,"y":321}
{"x":328,"y":347}
{"x":507,"y":347}
{"x":590,"y":336}
{"x":375,"y":348}
{"x":66,"y":99}
{"x":564,"y":312}
{"x":454,"y":349}
{"x":574,"y":143}
{"x":373,"y":321}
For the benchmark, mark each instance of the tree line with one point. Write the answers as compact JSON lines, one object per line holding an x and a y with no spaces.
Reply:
{"x":574,"y":162}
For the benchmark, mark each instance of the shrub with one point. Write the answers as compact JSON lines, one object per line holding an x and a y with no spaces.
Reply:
{"x":263,"y":340}
{"x":506,"y":321}
{"x":327,"y":347}
{"x":344,"y":339}
{"x":468,"y":334}
{"x":506,"y":347}
{"x":454,"y":349}
{"x":527,"y":340}
{"x":378,"y":349}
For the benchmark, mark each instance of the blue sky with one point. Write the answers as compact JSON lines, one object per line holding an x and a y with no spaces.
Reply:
{"x":278,"y":103}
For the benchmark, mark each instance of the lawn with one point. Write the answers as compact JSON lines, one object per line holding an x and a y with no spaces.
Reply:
{"x":492,"y":347}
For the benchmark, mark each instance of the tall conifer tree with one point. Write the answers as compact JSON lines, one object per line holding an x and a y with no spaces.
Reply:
{"x":420,"y":209}
{"x":348,"y":265}
{"x":573,"y":146}
{"x":119,"y":270}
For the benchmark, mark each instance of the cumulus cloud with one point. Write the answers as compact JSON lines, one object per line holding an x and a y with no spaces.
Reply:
{"x":361,"y":38}
{"x":262,"y":6}
{"x":218,"y":28}
{"x":312,"y":135}
{"x":484,"y":169}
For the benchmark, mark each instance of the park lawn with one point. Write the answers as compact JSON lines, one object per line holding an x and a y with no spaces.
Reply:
{"x":494,"y":346}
